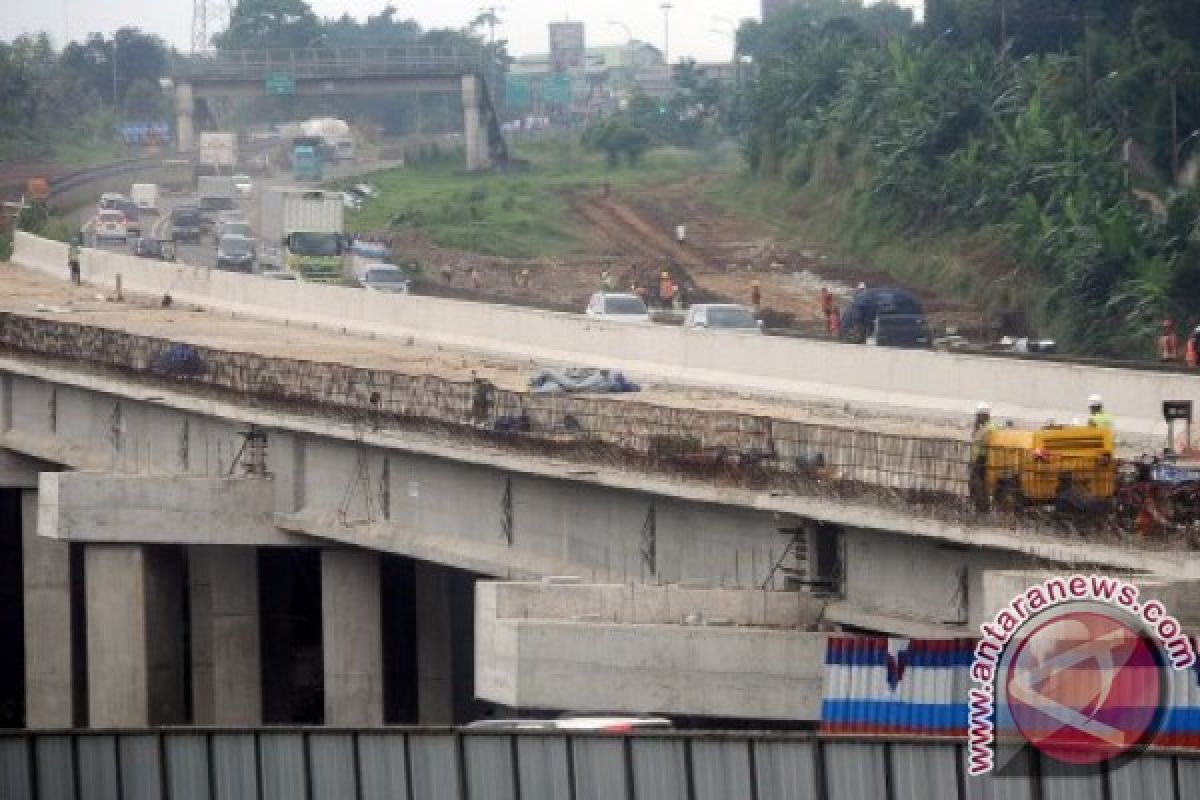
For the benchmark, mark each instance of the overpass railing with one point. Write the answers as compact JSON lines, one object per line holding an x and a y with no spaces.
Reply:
{"x":424,"y":764}
{"x":328,"y":63}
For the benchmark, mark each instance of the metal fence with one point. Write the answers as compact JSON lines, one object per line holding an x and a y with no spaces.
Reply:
{"x":321,"y":764}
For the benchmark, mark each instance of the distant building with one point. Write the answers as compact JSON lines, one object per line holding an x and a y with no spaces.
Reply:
{"x":608,"y":76}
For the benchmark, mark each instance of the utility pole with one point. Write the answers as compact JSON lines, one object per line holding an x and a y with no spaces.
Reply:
{"x":666,"y":9}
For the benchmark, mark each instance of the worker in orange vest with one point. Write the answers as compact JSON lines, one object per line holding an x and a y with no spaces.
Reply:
{"x":1168,"y":343}
{"x":666,"y":289}
{"x":828,"y":310}
{"x":1192,"y":356}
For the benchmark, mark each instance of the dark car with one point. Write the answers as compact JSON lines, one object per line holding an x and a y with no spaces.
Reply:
{"x":151,"y":248}
{"x":186,"y":224}
{"x":887,"y":318}
{"x":133,"y":216}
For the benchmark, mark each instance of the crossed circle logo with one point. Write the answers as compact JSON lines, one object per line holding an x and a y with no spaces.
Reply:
{"x":1085,"y":687}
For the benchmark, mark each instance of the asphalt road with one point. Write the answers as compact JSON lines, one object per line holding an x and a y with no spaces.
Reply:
{"x":204,"y":254}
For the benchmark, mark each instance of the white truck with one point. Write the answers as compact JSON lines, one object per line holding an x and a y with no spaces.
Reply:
{"x":145,"y":196}
{"x":218,"y":153}
{"x":301,"y":231}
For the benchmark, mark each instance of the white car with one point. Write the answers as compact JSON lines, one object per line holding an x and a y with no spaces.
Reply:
{"x":110,"y":224}
{"x":243,"y":185}
{"x":615,"y":307}
{"x":725,"y":318}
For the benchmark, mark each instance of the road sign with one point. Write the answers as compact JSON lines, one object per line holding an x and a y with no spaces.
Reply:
{"x":516,"y":92}
{"x":281,"y":84}
{"x":556,"y":90}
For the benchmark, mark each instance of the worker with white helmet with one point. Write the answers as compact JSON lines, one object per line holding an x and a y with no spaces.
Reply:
{"x":977,"y":474}
{"x":1097,"y":416}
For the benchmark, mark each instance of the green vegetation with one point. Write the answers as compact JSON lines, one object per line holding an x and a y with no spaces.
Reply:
{"x":996,"y":134}
{"x":520,"y":215}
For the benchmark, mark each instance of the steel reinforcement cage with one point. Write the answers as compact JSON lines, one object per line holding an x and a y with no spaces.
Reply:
{"x":743,"y":449}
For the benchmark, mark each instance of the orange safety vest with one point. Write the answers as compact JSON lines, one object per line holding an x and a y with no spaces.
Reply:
{"x":1168,"y":347}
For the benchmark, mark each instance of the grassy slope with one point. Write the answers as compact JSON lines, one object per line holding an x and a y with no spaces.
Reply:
{"x":521,"y":215}
{"x":969,"y":266}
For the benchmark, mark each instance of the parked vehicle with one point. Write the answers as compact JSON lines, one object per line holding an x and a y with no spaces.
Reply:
{"x":385,"y":278}
{"x":886,"y":317}
{"x":145,"y":197}
{"x":236,"y":252}
{"x":186,"y":224}
{"x":616,"y":307}
{"x":110,"y":224}
{"x":722,"y":318}
{"x":610,"y":725}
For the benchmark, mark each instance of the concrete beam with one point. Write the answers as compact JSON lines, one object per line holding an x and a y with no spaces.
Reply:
{"x":581,"y":665}
{"x":352,"y":638}
{"x":226,"y":644}
{"x":18,"y":471}
{"x":48,"y":646}
{"x":104,"y":507}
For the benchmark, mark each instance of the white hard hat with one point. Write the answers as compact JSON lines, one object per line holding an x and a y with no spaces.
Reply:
{"x":1095,"y":401}
{"x":983,"y":408}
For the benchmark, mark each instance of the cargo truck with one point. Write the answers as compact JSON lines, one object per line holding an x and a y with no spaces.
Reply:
{"x":307,"y":159}
{"x":301,"y":231}
{"x":218,"y":154}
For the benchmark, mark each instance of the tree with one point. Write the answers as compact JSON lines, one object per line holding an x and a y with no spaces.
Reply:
{"x":271,"y":24}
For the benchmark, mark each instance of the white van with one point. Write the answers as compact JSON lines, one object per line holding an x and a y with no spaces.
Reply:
{"x":145,"y":195}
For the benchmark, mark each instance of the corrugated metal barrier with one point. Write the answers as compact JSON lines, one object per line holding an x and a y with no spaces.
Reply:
{"x":323,"y":764}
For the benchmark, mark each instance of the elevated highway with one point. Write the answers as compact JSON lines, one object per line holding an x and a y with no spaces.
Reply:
{"x":172,"y":448}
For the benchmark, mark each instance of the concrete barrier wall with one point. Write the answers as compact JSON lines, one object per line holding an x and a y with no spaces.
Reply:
{"x":936,"y":383}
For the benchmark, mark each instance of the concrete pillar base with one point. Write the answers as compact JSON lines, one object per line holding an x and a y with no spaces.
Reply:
{"x":226,"y":647}
{"x":47,"y":585}
{"x":352,"y":638}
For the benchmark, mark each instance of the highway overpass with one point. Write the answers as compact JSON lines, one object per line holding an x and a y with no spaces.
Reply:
{"x":259,"y":509}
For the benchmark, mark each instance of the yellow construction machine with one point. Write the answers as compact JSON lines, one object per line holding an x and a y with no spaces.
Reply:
{"x":1069,"y":467}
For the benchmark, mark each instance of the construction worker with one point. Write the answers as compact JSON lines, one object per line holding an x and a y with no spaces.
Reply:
{"x":1168,"y":343}
{"x":977,"y":475}
{"x":666,"y":289}
{"x":1097,"y":416}
{"x":1192,"y":356}
{"x":73,"y":252}
{"x":606,"y":281}
{"x":827,"y":308}
{"x":756,"y":294}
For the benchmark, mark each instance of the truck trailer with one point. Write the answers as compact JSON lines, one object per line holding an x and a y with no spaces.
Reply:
{"x":301,"y":231}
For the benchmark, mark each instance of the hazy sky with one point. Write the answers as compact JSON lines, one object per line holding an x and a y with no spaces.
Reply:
{"x":692,"y":21}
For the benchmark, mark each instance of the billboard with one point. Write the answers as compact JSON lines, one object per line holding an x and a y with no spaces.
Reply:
{"x":567,"y":48}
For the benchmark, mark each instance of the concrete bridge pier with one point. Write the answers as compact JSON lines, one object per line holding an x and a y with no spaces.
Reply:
{"x":136,"y":652}
{"x":474,"y":131}
{"x":352,"y":638}
{"x":185,"y":117}
{"x":226,"y":647}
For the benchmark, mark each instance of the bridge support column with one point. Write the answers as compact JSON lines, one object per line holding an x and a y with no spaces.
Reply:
{"x":226,"y":646}
{"x":135,"y":643}
{"x":474,"y":132}
{"x":435,"y":646}
{"x":185,"y":117}
{"x":49,"y":688}
{"x":352,"y":638}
